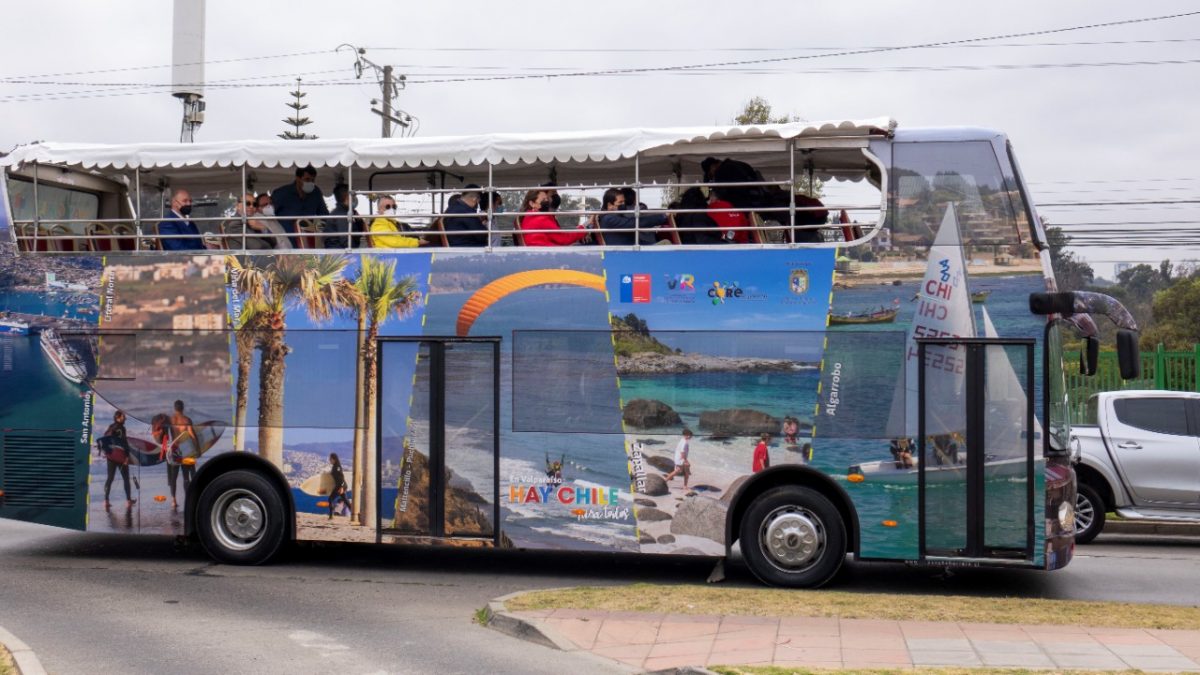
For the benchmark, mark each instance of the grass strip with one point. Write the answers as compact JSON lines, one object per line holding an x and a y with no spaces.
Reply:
{"x":778,"y":670}
{"x":6,"y":662}
{"x":709,"y":600}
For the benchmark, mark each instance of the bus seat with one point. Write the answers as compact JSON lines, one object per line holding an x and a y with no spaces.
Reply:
{"x":60,"y":230}
{"x":439,"y":236}
{"x":671,"y":230}
{"x":127,"y":241}
{"x":309,"y":228}
{"x":97,"y":237}
{"x":756,"y":235}
{"x":518,"y":238}
{"x":593,"y":223}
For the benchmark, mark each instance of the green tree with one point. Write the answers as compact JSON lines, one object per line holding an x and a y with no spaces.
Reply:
{"x":1176,"y":315}
{"x":758,"y":111}
{"x":297,"y":120}
{"x":1071,"y":273}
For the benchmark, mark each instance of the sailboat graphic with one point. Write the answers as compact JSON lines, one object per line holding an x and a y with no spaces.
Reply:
{"x":943,"y":311}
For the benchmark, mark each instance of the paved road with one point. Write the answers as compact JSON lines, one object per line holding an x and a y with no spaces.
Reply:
{"x":110,"y":603}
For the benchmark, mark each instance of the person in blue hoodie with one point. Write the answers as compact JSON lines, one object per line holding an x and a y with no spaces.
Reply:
{"x":177,"y":223}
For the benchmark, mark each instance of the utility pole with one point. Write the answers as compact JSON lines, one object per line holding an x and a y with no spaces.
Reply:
{"x":389,"y":85}
{"x":386,"y":117}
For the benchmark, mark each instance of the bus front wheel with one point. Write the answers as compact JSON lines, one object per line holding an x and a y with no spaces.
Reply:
{"x":240,"y":518}
{"x":793,"y":536}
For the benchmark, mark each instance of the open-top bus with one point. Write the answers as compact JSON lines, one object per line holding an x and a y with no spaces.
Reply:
{"x":878,"y":370}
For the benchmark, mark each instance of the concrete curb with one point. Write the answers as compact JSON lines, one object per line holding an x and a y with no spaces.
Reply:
{"x":499,"y":619}
{"x":24,"y":659}
{"x":1150,"y":527}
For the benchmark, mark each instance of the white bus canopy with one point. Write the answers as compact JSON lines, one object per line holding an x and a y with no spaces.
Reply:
{"x":576,"y":155}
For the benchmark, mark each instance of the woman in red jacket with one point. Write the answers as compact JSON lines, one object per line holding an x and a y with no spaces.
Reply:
{"x":535,"y":219}
{"x":762,"y":460}
{"x":728,"y":219}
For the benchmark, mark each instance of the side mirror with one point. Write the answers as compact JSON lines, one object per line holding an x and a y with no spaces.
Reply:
{"x":1128,"y":357}
{"x":1089,"y":358}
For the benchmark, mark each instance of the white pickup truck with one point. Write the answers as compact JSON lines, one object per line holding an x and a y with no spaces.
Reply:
{"x":1140,"y":460}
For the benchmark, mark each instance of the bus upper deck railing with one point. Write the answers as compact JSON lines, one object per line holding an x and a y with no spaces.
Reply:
{"x":236,"y":232}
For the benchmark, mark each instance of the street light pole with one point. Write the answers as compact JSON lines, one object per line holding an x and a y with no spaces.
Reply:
{"x":389,"y":85}
{"x":387,"y":102}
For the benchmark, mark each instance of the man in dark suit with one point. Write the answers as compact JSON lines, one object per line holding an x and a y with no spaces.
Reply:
{"x":178,"y":223}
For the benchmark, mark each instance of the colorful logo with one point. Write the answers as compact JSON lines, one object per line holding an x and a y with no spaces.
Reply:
{"x":798,"y":282}
{"x":722,"y":291}
{"x":635,"y":288}
{"x":681,"y":282}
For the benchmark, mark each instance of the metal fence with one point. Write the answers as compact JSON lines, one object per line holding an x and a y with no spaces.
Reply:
{"x":1161,"y":369}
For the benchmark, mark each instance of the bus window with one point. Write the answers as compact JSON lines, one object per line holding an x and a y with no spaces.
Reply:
{"x":53,"y":203}
{"x":928,"y":176}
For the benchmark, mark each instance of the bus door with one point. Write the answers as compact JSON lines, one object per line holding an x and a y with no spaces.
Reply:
{"x":438,"y":439}
{"x":976,"y":433}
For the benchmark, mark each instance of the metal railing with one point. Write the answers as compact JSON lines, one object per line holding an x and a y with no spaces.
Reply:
{"x":53,"y":236}
{"x":1161,"y":369}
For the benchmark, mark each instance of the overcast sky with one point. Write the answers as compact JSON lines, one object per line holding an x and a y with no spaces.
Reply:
{"x":1069,"y":125}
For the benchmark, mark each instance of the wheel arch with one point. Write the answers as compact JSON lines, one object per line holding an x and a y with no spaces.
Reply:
{"x":233,"y":461}
{"x":790,"y":474}
{"x":1085,"y":473}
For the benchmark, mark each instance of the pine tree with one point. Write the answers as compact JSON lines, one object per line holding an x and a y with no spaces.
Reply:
{"x":296,"y":120}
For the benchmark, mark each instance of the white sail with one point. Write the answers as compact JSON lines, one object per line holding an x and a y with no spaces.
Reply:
{"x":1007,"y":402}
{"x":943,"y":310}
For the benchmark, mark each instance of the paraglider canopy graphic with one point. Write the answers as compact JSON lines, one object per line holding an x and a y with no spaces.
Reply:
{"x":484,"y":297}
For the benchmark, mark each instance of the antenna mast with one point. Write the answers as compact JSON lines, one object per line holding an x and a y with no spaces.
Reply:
{"x":187,"y":64}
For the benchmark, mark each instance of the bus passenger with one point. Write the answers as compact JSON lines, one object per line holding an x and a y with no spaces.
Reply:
{"x":249,"y":206}
{"x":299,"y":199}
{"x":534,"y":218}
{"x":340,"y":224}
{"x":178,"y":222}
{"x":618,"y":217}
{"x":696,"y":228}
{"x":728,"y":219}
{"x":385,"y":229}
{"x":466,"y":218}
{"x":497,"y":208}
{"x":262,"y":204}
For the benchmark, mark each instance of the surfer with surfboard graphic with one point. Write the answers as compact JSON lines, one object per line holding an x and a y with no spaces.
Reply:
{"x":114,"y":445}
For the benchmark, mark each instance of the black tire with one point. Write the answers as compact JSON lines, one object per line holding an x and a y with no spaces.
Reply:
{"x":240,"y":518}
{"x":808,"y":529}
{"x":1089,"y":513}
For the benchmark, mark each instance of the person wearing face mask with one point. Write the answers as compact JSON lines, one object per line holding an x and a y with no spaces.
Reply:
{"x":261,"y":206}
{"x":385,"y":229}
{"x":534,"y":218}
{"x":178,"y":223}
{"x":340,"y":222}
{"x":463,"y":216}
{"x":299,"y":199}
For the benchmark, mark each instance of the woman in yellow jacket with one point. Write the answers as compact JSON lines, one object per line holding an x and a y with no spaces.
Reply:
{"x":385,"y":230}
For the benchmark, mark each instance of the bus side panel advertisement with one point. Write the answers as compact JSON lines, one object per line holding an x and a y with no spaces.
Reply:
{"x":48,"y":308}
{"x":162,"y":388}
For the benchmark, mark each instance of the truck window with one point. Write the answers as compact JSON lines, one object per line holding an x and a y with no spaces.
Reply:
{"x":1160,"y":415}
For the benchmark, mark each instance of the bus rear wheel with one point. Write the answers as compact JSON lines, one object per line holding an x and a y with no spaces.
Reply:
{"x":240,"y":518}
{"x":793,"y":536}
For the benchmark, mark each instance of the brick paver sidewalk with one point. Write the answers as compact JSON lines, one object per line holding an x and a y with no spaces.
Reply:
{"x":655,"y":641}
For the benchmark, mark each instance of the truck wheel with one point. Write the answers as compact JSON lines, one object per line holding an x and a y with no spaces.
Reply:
{"x":239,"y":518}
{"x":793,"y":536}
{"x":1089,"y":513}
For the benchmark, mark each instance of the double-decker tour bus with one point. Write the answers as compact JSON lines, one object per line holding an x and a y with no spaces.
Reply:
{"x":809,"y":339}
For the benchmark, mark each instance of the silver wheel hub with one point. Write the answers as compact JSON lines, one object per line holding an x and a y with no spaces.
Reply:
{"x":792,"y":538}
{"x":1084,"y":512}
{"x":239,"y":519}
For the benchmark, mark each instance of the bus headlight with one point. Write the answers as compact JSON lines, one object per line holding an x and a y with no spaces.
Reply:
{"x":1066,"y":516}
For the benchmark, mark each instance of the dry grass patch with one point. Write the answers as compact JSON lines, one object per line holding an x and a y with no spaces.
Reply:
{"x":6,"y":662}
{"x":778,"y":670}
{"x":683,"y":599}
